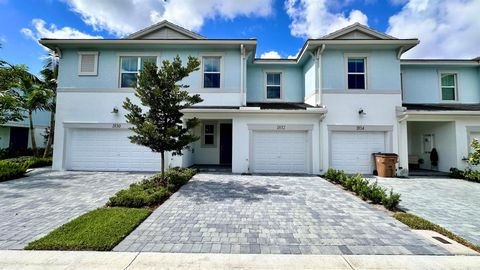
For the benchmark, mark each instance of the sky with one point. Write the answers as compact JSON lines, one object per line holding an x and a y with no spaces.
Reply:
{"x":446,"y":28}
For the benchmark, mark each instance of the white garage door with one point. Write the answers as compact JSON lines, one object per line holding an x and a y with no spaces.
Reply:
{"x":352,"y":151}
{"x":280,"y":152}
{"x":108,"y":150}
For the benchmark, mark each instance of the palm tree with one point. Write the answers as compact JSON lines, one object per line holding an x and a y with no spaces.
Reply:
{"x":34,"y":97}
{"x":50,"y":74}
{"x":9,"y":99}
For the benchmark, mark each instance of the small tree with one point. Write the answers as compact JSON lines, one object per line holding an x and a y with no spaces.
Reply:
{"x":10,"y":109}
{"x":160,"y":127}
{"x":474,"y":156}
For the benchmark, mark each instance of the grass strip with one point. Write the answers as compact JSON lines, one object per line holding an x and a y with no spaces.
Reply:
{"x":418,"y":223}
{"x":100,"y":230}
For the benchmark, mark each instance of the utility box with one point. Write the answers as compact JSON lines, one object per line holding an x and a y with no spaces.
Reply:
{"x":385,"y":164}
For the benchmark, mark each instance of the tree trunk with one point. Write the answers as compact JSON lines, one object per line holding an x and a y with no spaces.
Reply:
{"x":32,"y":134}
{"x":50,"y":135}
{"x":162,"y":166}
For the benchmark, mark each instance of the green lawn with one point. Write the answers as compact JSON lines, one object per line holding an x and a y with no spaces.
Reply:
{"x":101,"y":229}
{"x":418,"y":223}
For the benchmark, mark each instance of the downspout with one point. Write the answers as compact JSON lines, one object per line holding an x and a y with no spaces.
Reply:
{"x":318,"y":90}
{"x":320,"y":138}
{"x":242,"y":76}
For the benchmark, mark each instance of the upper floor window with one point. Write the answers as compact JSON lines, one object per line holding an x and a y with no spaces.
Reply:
{"x":448,"y":83}
{"x":356,"y":73}
{"x":212,"y":71}
{"x":130,"y":67}
{"x":87,"y":63}
{"x":273,"y":85}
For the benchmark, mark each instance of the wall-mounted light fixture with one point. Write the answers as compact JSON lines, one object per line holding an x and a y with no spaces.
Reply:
{"x":114,"y":110}
{"x":361,"y":112}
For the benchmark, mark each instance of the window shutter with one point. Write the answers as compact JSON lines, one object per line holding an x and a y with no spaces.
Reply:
{"x":88,"y":62}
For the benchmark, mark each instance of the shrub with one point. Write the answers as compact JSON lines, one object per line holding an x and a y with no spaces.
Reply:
{"x":363,"y":188}
{"x":150,"y":192}
{"x":391,"y":201}
{"x":11,"y":170}
{"x":456,"y":173}
{"x":472,"y":175}
{"x":31,"y":162}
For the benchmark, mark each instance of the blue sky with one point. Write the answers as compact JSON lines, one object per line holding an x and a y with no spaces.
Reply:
{"x":281,"y":26}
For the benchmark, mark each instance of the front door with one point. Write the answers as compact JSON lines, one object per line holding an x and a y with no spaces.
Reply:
{"x":225,"y":143}
{"x":18,"y":138}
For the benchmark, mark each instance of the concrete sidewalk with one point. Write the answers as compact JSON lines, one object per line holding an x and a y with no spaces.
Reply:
{"x":133,"y":260}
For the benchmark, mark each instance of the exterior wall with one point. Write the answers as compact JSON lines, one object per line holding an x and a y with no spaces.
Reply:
{"x":309,"y":80}
{"x":292,"y":82}
{"x":421,"y":84}
{"x":343,"y":111}
{"x":383,"y":70}
{"x":444,"y":142}
{"x":207,"y":154}
{"x":108,"y":73}
{"x":4,"y":137}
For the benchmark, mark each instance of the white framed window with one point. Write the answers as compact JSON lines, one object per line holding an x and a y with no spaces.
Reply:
{"x":273,"y":85}
{"x":448,"y":86}
{"x":87,"y":63}
{"x":356,"y":73}
{"x":208,"y":135}
{"x":130,"y":67}
{"x":212,"y":71}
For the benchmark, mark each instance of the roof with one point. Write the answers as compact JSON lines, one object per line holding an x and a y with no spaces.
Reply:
{"x":357,"y":27}
{"x":474,"y":62}
{"x":280,"y":106}
{"x":442,"y":107}
{"x":164,"y":24}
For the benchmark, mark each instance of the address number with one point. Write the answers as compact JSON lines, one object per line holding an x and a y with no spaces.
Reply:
{"x":116,"y":125}
{"x":281,"y":127}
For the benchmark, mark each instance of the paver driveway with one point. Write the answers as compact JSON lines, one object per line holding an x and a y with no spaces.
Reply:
{"x":33,"y":206}
{"x":271,"y":214}
{"x":451,"y":203}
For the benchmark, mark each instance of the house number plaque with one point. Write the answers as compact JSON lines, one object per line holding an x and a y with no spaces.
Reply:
{"x":116,"y":125}
{"x":281,"y":127}
{"x":360,"y":128}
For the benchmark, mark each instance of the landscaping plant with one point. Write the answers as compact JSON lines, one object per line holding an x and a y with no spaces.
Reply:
{"x":11,"y":170}
{"x":161,"y":126}
{"x":363,"y":188}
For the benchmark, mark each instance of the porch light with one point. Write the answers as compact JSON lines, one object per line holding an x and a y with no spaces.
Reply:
{"x":361,"y":112}
{"x":114,"y":110}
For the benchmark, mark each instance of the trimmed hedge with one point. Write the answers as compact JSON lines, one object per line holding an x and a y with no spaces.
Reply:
{"x":31,"y":162}
{"x":364,"y":189}
{"x":469,"y":174}
{"x":150,"y":192}
{"x":11,"y":170}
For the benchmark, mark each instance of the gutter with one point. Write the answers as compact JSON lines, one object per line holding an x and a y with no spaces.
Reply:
{"x":257,"y":110}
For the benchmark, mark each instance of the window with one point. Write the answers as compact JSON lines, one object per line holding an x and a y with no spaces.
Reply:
{"x":87,"y":63}
{"x":356,"y":75}
{"x":448,"y":83}
{"x":209,"y":134}
{"x":211,"y":71}
{"x":130,"y":66}
{"x":274,"y":85}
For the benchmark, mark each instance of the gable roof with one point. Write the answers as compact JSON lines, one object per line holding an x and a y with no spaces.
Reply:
{"x":357,"y":31}
{"x":164,"y":30}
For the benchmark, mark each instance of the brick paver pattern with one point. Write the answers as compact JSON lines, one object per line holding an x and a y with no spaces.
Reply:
{"x":221,"y":213}
{"x":32,"y":206}
{"x":450,"y":203}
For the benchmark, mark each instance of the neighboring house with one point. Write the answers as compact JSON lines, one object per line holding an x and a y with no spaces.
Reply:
{"x":334,"y":105}
{"x":16,"y":135}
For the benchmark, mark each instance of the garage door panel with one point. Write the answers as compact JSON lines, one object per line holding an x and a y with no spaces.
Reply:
{"x":280,"y":151}
{"x":109,"y":150}
{"x":352,"y":151}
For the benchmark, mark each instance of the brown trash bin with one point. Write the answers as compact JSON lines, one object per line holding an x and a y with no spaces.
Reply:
{"x":385,"y":164}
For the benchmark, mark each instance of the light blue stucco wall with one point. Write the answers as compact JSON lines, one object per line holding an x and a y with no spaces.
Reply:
{"x":309,"y":77}
{"x":108,"y":68}
{"x":421,"y":84}
{"x":383,"y":70}
{"x":292,"y":82}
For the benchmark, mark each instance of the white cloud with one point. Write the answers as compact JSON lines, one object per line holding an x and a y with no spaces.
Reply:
{"x":122,"y":17}
{"x":271,"y":55}
{"x":447,"y":29}
{"x":41,"y":30}
{"x":314,"y":18}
